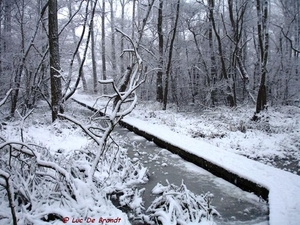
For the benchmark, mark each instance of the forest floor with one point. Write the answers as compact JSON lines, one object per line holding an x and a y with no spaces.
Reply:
{"x":274,"y":140}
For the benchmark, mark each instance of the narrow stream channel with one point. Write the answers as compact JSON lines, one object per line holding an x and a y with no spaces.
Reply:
{"x":235,"y":205}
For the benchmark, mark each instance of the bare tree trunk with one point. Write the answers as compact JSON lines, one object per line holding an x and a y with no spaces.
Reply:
{"x":103,"y":50}
{"x":263,"y":44}
{"x":127,"y":76}
{"x":113,"y":37}
{"x":122,"y":2}
{"x":230,"y":95}
{"x":1,"y":41}
{"x":76,"y":52}
{"x":141,"y":28}
{"x":238,"y":42}
{"x":55,"y":76}
{"x":168,"y":69}
{"x":213,"y":64}
{"x":94,"y":65}
{"x":16,"y":79}
{"x":83,"y":79}
{"x":211,"y":16}
{"x":19,"y":71}
{"x":133,"y":19}
{"x":7,"y":24}
{"x":66,"y":96}
{"x":159,"y":80}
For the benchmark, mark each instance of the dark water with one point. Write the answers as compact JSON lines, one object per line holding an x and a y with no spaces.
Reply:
{"x":235,"y":205}
{"x":288,"y":164}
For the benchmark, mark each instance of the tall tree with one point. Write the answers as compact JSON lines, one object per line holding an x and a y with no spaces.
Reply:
{"x":55,"y":75}
{"x":113,"y":37}
{"x":103,"y":49}
{"x":287,"y":80}
{"x":224,"y":75}
{"x":133,"y":19}
{"x":159,"y":80}
{"x":123,"y":3}
{"x":72,"y":90}
{"x":16,"y":80}
{"x":168,"y":68}
{"x":213,"y":63}
{"x":78,"y":57}
{"x":262,"y":8}
{"x":1,"y":42}
{"x":94,"y":64}
{"x":238,"y":43}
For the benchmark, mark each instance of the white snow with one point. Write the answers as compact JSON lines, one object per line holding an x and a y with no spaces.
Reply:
{"x":64,"y":142}
{"x":276,"y":136}
{"x":284,"y":187}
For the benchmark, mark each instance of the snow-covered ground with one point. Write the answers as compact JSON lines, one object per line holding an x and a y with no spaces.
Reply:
{"x":274,"y":141}
{"x":284,"y":187}
{"x":65,"y":147}
{"x":222,"y":136}
{"x":62,"y":144}
{"x":217,"y":135}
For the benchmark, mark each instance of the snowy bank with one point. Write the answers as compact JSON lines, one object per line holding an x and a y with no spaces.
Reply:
{"x":284,"y":187}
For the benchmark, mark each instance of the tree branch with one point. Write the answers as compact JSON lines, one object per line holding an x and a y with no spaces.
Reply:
{"x":289,"y":39}
{"x":6,"y":97}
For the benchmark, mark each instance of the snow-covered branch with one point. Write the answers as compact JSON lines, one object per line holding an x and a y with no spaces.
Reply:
{"x":10,"y":193}
{"x":30,"y":152}
{"x":6,"y":97}
{"x":84,"y":128}
{"x":177,"y":205}
{"x":111,"y":81}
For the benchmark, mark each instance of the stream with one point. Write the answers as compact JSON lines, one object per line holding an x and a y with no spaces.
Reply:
{"x":234,"y":205}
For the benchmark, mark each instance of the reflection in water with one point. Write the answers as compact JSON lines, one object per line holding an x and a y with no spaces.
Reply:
{"x":235,"y":205}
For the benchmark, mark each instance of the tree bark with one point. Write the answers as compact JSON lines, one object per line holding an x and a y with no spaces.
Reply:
{"x":168,"y":70}
{"x":263,"y":44}
{"x":103,"y":50}
{"x":213,"y":64}
{"x":159,"y":80}
{"x":1,"y":42}
{"x":55,"y":76}
{"x":133,"y":19}
{"x":122,"y":2}
{"x":94,"y":65}
{"x":16,"y":79}
{"x":220,"y":48}
{"x":113,"y":37}
{"x":79,"y":61}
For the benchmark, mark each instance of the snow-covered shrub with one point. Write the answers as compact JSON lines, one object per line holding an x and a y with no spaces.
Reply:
{"x":40,"y":190}
{"x":178,"y":205}
{"x":168,"y":120}
{"x":40,"y":186}
{"x":242,"y":126}
{"x":261,"y":122}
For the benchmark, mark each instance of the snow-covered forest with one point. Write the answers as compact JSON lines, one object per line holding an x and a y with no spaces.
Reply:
{"x":222,"y":72}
